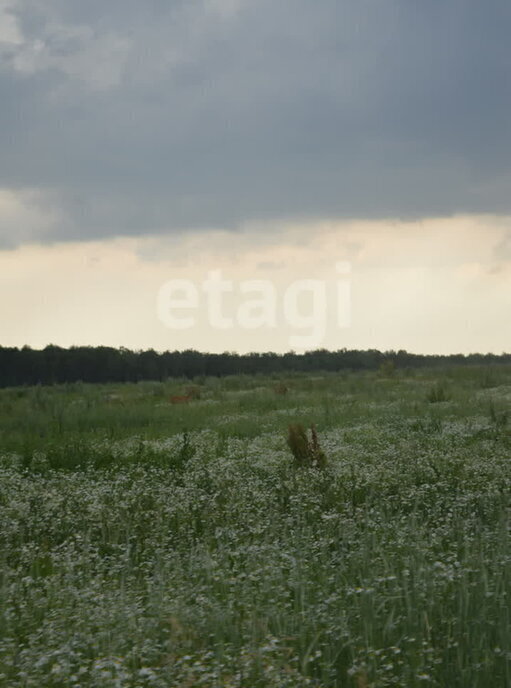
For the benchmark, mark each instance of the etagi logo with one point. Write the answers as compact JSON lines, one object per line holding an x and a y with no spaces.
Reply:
{"x":305,"y":307}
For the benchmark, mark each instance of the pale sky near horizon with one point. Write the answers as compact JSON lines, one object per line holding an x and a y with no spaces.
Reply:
{"x":438,"y":286}
{"x":168,"y":140}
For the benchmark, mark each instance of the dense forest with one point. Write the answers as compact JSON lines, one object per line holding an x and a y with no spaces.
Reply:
{"x":54,"y":365}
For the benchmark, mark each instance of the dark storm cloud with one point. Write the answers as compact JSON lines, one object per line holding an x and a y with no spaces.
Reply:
{"x":143,"y":117}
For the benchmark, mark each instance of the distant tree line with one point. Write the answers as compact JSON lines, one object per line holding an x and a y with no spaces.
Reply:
{"x":55,"y":365}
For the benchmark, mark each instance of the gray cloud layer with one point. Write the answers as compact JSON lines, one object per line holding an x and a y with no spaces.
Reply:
{"x":127,"y":117}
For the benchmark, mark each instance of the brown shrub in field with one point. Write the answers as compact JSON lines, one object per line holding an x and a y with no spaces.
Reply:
{"x":306,"y":452}
{"x":281,"y":388}
{"x":180,"y":399}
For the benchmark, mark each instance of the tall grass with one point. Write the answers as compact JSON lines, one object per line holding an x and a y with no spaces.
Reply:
{"x":148,"y":545}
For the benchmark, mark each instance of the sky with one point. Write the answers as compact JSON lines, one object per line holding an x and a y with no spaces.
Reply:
{"x":256,"y":175}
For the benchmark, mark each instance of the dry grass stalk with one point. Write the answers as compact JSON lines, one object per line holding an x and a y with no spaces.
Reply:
{"x":307,"y":452}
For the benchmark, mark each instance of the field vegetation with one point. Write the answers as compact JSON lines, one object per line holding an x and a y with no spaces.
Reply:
{"x":340,"y":529}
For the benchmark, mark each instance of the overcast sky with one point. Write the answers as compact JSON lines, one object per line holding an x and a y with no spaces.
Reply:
{"x":270,"y":122}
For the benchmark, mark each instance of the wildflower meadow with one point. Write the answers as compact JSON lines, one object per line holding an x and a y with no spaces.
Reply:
{"x":335,"y":530}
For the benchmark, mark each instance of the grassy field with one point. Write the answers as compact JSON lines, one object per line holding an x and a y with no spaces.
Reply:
{"x":145,"y":543}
